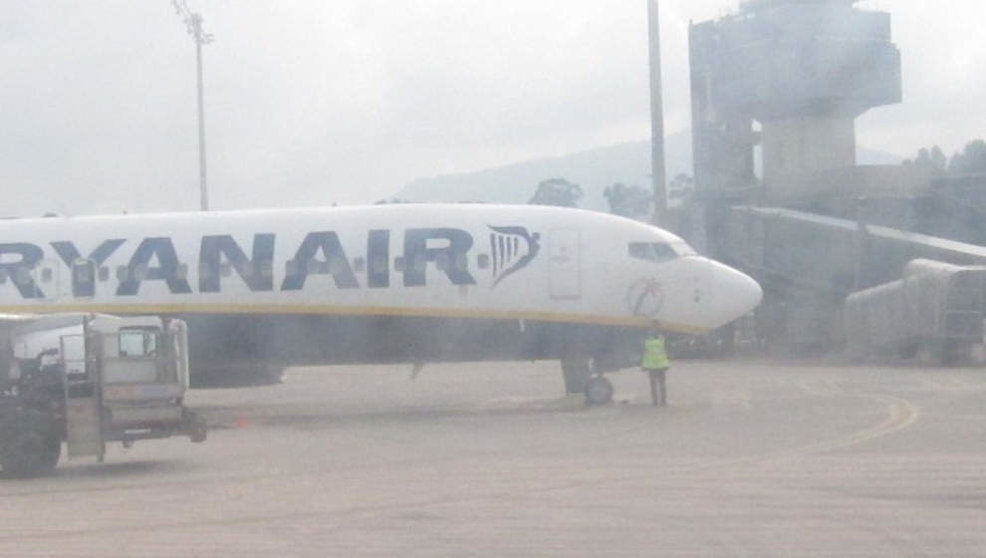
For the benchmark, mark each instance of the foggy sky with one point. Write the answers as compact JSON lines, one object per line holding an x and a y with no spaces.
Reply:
{"x":310,"y":103}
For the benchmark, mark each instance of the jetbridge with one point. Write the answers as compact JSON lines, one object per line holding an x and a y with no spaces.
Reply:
{"x":809,"y":264}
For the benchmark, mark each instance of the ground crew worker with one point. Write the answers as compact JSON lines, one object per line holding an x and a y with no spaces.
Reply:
{"x":656,"y":363}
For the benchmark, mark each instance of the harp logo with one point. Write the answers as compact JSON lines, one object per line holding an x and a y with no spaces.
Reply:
{"x":645,"y":298}
{"x":511,"y":249}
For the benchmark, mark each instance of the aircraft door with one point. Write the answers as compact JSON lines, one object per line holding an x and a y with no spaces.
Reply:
{"x":564,"y":257}
{"x":83,"y":278}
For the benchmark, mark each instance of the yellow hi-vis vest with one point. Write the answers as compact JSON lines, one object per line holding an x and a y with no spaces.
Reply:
{"x":655,"y":354}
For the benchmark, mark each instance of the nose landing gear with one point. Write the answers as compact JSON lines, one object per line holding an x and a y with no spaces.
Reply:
{"x":583,"y":375}
{"x":598,"y":391}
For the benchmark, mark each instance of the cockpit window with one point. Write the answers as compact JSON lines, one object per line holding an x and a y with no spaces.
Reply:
{"x":652,"y":251}
{"x":683,"y":249}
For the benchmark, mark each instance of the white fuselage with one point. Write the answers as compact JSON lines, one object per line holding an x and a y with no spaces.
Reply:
{"x":463,"y":261}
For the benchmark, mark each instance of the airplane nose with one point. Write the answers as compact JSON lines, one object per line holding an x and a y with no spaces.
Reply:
{"x":746,"y":292}
{"x":735,"y":293}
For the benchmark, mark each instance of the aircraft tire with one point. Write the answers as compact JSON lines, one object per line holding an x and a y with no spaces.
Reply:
{"x":32,"y":448}
{"x":599,"y":391}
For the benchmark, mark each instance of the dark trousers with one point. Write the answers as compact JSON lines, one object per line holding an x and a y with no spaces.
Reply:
{"x":658,"y":379}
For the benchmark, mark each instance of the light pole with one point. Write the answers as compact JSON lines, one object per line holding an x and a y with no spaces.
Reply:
{"x":193,"y":22}
{"x":660,"y":216}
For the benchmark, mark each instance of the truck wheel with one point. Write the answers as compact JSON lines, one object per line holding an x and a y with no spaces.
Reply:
{"x":32,"y":449}
{"x":199,"y":431}
{"x":194,"y":426}
{"x":199,"y":434}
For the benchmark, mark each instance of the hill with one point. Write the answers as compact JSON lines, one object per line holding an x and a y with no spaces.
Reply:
{"x":594,"y":170}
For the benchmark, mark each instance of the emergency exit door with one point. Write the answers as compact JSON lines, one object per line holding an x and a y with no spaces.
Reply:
{"x":83,"y":278}
{"x":565,"y":264}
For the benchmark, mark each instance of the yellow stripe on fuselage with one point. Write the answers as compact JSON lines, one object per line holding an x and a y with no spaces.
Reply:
{"x":332,"y":310}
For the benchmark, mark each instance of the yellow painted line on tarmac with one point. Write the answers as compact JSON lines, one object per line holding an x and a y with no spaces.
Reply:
{"x":901,"y":414}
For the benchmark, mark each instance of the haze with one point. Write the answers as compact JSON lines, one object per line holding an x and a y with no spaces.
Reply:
{"x":314,"y":103}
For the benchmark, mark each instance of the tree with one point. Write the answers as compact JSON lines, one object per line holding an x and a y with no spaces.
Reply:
{"x":972,"y":160}
{"x":933,"y":160}
{"x":557,"y":191}
{"x":630,"y":201}
{"x":681,"y":188}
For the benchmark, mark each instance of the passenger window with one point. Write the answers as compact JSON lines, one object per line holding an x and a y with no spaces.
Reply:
{"x":104,"y":273}
{"x":652,"y":251}
{"x":483,"y":261}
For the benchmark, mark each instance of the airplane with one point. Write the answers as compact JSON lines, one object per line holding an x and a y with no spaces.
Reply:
{"x":262,"y":290}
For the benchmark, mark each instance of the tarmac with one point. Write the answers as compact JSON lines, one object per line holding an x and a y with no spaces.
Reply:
{"x":749,"y":459}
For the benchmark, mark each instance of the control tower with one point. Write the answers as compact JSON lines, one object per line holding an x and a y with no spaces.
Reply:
{"x":804,"y":70}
